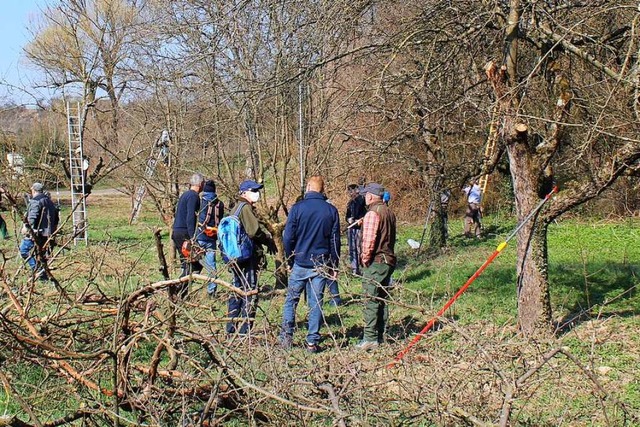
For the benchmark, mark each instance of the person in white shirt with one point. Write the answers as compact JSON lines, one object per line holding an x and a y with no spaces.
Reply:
{"x":472,"y":215}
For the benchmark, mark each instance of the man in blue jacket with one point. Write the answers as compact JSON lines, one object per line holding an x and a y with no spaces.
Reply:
{"x":312,"y":247}
{"x":184,"y":226}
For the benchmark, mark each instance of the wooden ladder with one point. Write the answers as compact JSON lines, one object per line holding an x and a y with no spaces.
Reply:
{"x":489,"y":151}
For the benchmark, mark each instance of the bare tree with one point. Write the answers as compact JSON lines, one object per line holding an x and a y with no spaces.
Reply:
{"x":558,"y":94}
{"x":568,"y":78}
{"x":84,"y":51}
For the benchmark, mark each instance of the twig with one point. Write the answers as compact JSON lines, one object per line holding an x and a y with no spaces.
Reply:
{"x":335,"y":403}
{"x":20,"y":400}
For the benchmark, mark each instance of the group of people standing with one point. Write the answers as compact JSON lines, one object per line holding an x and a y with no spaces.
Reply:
{"x":193,"y":218}
{"x":312,"y":246}
{"x":312,"y":249}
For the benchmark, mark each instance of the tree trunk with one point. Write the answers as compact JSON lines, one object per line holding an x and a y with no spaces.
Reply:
{"x":534,"y":304}
{"x":438,"y":235}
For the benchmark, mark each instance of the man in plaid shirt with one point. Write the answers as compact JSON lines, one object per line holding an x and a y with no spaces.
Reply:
{"x":379,"y":260}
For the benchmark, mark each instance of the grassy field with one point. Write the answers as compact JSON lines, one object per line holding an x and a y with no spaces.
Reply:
{"x":459,"y":373}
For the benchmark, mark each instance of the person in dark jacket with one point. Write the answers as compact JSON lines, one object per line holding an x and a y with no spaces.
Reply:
{"x":312,"y":247}
{"x":184,"y":226}
{"x":245,"y":273}
{"x":334,"y":290}
{"x":42,"y":219}
{"x":356,"y":209}
{"x":211,"y":212}
{"x":4,"y":234}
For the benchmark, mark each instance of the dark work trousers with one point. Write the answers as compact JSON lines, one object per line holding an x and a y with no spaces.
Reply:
{"x":472,"y":220}
{"x":3,"y":228}
{"x":242,"y":309}
{"x":188,"y":267}
{"x":375,"y":284}
{"x":354,"y":239}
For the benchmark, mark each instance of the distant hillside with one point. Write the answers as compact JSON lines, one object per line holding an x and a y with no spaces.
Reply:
{"x":17,"y":120}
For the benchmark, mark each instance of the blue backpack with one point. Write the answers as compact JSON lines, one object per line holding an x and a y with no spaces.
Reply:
{"x":235,"y":244}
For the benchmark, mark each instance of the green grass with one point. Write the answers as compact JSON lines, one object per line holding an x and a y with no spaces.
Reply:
{"x":593,"y":274}
{"x":591,"y":267}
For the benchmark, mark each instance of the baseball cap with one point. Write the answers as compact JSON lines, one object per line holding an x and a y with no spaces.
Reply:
{"x":374,"y":188}
{"x":250,"y":185}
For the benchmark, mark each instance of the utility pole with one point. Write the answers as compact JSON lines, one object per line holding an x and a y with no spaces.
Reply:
{"x":301,"y":133}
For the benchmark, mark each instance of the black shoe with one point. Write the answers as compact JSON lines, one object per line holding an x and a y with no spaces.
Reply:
{"x":313,"y":348}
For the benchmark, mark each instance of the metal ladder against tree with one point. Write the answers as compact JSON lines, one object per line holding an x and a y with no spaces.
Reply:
{"x":157,"y":152}
{"x":77,"y":172}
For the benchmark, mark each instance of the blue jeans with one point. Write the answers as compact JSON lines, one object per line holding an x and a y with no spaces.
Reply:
{"x":314,"y":282}
{"x":245,"y":277}
{"x":209,"y":262}
{"x":354,"y":239}
{"x":26,"y":248}
{"x":334,"y":292}
{"x":28,"y":252}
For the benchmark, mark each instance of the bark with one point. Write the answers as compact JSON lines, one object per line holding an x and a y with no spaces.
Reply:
{"x":437,"y":238}
{"x":534,"y":306}
{"x":435,"y":175}
{"x":527,"y":169}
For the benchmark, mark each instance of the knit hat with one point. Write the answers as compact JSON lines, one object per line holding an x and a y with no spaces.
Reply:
{"x":209,"y":186}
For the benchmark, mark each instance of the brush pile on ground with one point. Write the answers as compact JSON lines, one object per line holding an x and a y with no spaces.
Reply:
{"x":136,"y":357}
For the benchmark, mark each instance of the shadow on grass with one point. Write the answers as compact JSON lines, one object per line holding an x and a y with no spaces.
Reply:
{"x":495,"y":231}
{"x":409,"y":326}
{"x":603,"y":293}
{"x":489,"y":232}
{"x":418,"y":274}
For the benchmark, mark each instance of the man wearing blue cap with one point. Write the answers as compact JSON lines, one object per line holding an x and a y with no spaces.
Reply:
{"x":245,"y":273}
{"x":378,"y":260}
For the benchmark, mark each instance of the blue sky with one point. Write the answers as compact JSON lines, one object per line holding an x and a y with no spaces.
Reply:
{"x":15,"y":16}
